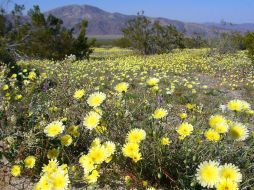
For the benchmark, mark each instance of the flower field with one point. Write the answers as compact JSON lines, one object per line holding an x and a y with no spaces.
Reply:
{"x":182,"y":120}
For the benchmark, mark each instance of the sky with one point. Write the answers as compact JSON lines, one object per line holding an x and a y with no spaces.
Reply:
{"x":200,"y":11}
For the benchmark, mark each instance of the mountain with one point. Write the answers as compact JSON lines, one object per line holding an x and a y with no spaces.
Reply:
{"x":101,"y":22}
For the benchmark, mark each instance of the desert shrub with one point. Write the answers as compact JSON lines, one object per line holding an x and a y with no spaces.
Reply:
{"x":149,"y":37}
{"x":6,"y":57}
{"x":228,"y":42}
{"x":249,"y":42}
{"x":122,"y":43}
{"x":43,"y":37}
{"x":196,"y":41}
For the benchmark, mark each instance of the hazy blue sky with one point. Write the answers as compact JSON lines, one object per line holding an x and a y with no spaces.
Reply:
{"x":236,"y":11}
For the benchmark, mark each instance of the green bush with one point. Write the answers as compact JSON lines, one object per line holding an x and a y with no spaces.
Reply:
{"x":249,"y":42}
{"x":149,"y":37}
{"x":44,"y":37}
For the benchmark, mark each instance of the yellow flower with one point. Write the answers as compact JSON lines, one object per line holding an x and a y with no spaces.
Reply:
{"x":18,"y":97}
{"x":127,"y":179}
{"x":250,"y":112}
{"x":14,"y":75}
{"x":165,"y":141}
{"x":31,"y":75}
{"x":136,"y":157}
{"x":189,"y":86}
{"x":96,"y":142}
{"x":92,"y":178}
{"x":212,"y":135}
{"x":53,"y":109}
{"x":91,"y":120}
{"x":43,"y":184}
{"x":155,"y":88}
{"x":87,"y":163}
{"x":231,"y":172}
{"x":15,"y":170}
{"x":98,"y":154}
{"x":98,"y":110}
{"x":5,"y":87}
{"x":130,"y":149}
{"x":245,"y":105}
{"x":26,"y":82}
{"x":51,"y":167}
{"x":108,"y":159}
{"x":145,"y":183}
{"x":160,"y":113}
{"x":122,"y":87}
{"x":64,"y":119}
{"x":239,"y":132}
{"x":96,"y":99}
{"x":66,"y":140}
{"x":238,"y":105}
{"x":152,"y":82}
{"x":44,"y":75}
{"x":79,"y":94}
{"x":100,"y":129}
{"x":73,"y":130}
{"x":53,"y":153}
{"x":59,"y":180}
{"x":217,"y":119}
{"x":64,"y":168}
{"x":221,"y":128}
{"x":208,"y":174}
{"x":29,"y":161}
{"x":54,"y":177}
{"x":183,"y":115}
{"x":190,"y":106}
{"x":53,"y":129}
{"x":110,"y":147}
{"x":185,"y":129}
{"x":226,"y":184}
{"x":136,"y":135}
{"x":74,"y":168}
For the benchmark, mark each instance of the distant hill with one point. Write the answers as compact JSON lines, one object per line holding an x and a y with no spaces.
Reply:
{"x":101,"y":22}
